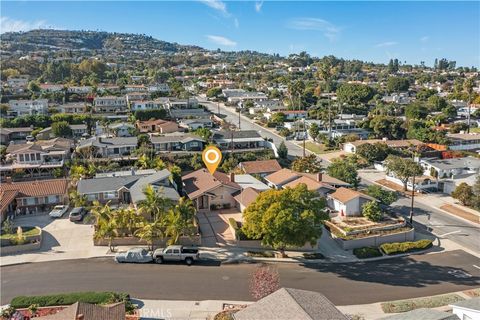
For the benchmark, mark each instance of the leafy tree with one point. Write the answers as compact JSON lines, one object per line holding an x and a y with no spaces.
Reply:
{"x":373,"y":152}
{"x":416,"y":111}
{"x":265,"y":280}
{"x":354,"y":93}
{"x":176,"y":176}
{"x":279,"y":117}
{"x":450,"y":111}
{"x":229,"y":163}
{"x":143,"y":140}
{"x":214,"y":92}
{"x":384,"y":196}
{"x":285,"y":218}
{"x":457,"y":127}
{"x":424,"y":93}
{"x":144,"y":115}
{"x":387,"y":127}
{"x":196,"y":162}
{"x":155,"y":205}
{"x":61,"y":129}
{"x":203,"y":133}
{"x":309,"y":164}
{"x":403,"y":168}
{"x":345,"y":171}
{"x":282,"y":151}
{"x":436,"y":103}
{"x":77,"y":199}
{"x":463,"y":193}
{"x":149,"y":232}
{"x":371,"y":210}
{"x":397,"y":84}
{"x":314,"y":131}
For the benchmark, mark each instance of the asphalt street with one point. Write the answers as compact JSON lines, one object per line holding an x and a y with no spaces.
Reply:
{"x":247,"y":124}
{"x":343,"y":284}
{"x":428,"y":218}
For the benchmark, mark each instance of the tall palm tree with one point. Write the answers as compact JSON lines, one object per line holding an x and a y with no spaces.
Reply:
{"x":149,"y":232}
{"x":180,"y":220}
{"x":155,"y":204}
{"x":107,"y":230}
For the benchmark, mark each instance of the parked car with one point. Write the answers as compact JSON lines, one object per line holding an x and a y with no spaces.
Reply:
{"x":58,"y":211}
{"x":134,"y":255}
{"x":176,"y":253}
{"x":77,"y":214}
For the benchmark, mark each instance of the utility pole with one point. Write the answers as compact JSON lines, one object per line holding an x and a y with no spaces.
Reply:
{"x":304,"y":136}
{"x":413,"y":196}
{"x":218,"y":107}
{"x":469,"y":109}
{"x":239,"y":113}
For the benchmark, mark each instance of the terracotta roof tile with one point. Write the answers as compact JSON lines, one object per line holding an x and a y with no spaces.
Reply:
{"x":38,"y":188}
{"x":200,"y":181}
{"x":263,"y":166}
{"x":344,"y":195}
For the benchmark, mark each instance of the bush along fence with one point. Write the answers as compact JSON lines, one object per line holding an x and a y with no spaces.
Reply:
{"x":392,"y":249}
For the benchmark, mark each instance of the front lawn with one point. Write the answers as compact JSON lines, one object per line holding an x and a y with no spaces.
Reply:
{"x":316,"y":148}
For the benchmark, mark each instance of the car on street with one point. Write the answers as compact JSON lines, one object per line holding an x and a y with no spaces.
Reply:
{"x":134,"y":255}
{"x":77,"y":214}
{"x":176,"y":253}
{"x":58,"y":211}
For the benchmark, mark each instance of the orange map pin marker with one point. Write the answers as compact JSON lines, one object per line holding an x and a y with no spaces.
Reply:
{"x":212,"y":157}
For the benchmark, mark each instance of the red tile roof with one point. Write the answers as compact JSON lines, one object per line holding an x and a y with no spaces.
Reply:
{"x":39,"y":188}
{"x":200,"y":181}
{"x":263,"y":166}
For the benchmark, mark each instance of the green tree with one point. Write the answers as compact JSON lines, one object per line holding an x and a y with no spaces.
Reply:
{"x":354,"y":93}
{"x":373,"y":152}
{"x":314,"y":131}
{"x":463,"y":193}
{"x":371,"y":210}
{"x":436,"y":103}
{"x":214,"y":92}
{"x":309,"y":164}
{"x":61,"y":129}
{"x":397,"y":84}
{"x":282,"y":151}
{"x":196,"y":162}
{"x":279,"y":117}
{"x":345,"y":171}
{"x":204,"y":133}
{"x":416,"y":111}
{"x":155,"y":204}
{"x":285,"y":218}
{"x":229,"y":163}
{"x":384,"y":196}
{"x":149,"y":232}
{"x":403,"y":168}
{"x":77,"y":199}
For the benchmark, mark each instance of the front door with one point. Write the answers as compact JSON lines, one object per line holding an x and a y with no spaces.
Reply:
{"x":203,"y":202}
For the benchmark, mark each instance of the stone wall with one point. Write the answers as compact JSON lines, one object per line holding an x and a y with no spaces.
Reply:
{"x":28,"y":246}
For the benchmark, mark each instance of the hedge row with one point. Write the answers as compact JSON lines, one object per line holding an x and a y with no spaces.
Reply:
{"x":404,"y":247}
{"x":69,"y":298}
{"x":428,"y":302}
{"x":367,"y":252}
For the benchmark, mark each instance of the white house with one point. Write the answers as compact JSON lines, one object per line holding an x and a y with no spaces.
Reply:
{"x":463,"y":141}
{"x":109,"y":104}
{"x":148,"y":105}
{"x":467,"y":309}
{"x":348,"y":202}
{"x":27,"y":107}
{"x":79,"y":89}
{"x":449,"y":168}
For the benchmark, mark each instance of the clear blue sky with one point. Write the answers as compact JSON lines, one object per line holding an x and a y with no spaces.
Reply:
{"x":370,"y":31}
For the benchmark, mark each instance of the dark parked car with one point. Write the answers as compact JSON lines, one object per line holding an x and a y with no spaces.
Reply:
{"x":77,"y":214}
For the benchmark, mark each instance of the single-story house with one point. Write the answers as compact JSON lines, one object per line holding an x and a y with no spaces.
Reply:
{"x":246,"y":197}
{"x":179,"y":114}
{"x":449,"y":168}
{"x":14,"y":134}
{"x":323,"y":189}
{"x":351,"y":147}
{"x":421,"y":182}
{"x":177,"y":142}
{"x":32,"y":196}
{"x":288,"y":303}
{"x":281,"y":177}
{"x":238,"y":140}
{"x":158,"y":125}
{"x":209,"y":192}
{"x":463,"y":141}
{"x":249,"y":181}
{"x":126,"y":186}
{"x":423,"y":313}
{"x":194,"y":124}
{"x":109,"y":147}
{"x":260,"y":167}
{"x":467,"y":309}
{"x":348,"y":202}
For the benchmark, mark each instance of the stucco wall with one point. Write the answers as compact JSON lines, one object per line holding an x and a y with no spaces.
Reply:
{"x":375,"y":241}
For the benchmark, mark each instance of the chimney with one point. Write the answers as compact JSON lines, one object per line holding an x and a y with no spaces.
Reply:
{"x":232,"y":177}
{"x":319,"y":177}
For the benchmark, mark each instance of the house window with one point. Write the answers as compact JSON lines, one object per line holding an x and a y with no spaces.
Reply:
{"x":22,"y":158}
{"x":116,"y":150}
{"x":29,"y":201}
{"x":38,"y":156}
{"x":110,"y":195}
{"x":92,"y":197}
{"x":53,"y":199}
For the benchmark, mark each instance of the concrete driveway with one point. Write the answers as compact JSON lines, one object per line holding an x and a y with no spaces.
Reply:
{"x":215,"y":229}
{"x":62,"y":239}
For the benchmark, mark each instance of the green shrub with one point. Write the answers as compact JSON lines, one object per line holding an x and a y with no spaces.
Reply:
{"x":261,"y":254}
{"x":367,"y":252}
{"x":404,"y":247}
{"x":428,"y":302}
{"x":314,"y":255}
{"x":68,"y":298}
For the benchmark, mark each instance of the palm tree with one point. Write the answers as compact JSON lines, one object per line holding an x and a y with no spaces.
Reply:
{"x":155,"y":204}
{"x":127,"y":220}
{"x":149,"y":232}
{"x":180,"y":220}
{"x":77,"y":199}
{"x":107,"y":229}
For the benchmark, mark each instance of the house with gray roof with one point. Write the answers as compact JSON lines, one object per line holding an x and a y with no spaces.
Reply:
{"x":238,"y":140}
{"x":179,"y":114}
{"x":127,"y":187}
{"x":288,"y":303}
{"x":177,"y":142}
{"x":449,"y":168}
{"x":109,"y":147}
{"x":424,"y":314}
